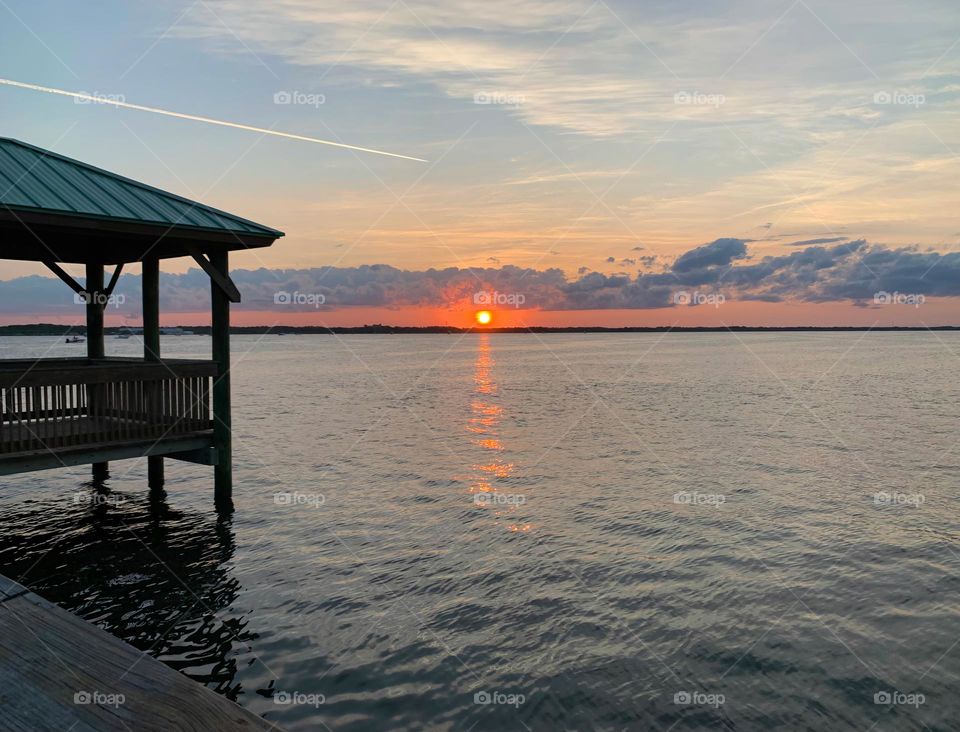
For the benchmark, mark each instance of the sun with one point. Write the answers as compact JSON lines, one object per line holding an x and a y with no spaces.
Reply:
{"x":484,"y":317}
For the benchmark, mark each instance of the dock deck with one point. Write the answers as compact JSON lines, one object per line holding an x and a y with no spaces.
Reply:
{"x":58,"y":672}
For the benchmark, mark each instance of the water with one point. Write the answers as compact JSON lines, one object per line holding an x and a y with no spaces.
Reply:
{"x":672,"y":514}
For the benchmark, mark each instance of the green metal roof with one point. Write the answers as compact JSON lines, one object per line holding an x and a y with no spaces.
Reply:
{"x":36,"y":180}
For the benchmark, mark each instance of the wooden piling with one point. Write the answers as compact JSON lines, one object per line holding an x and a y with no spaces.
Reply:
{"x":220,"y":327}
{"x":151,"y":350}
{"x":95,"y":347}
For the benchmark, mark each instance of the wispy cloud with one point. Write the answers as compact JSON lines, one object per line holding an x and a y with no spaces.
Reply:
{"x":603,"y":68}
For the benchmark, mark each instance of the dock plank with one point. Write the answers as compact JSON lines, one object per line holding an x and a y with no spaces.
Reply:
{"x":52,"y":663}
{"x":9,"y":588}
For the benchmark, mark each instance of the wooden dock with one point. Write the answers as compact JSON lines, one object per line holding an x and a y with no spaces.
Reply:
{"x":58,"y":672}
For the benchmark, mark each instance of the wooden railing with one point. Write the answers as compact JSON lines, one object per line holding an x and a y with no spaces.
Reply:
{"x":50,"y":404}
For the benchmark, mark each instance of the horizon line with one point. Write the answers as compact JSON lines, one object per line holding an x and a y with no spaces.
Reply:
{"x":56,"y":329}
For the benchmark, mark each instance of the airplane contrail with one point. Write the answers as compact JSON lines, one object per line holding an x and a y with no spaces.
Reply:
{"x":195,"y":118}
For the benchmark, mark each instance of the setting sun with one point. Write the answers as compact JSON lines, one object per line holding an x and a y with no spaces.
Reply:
{"x":484,"y":317}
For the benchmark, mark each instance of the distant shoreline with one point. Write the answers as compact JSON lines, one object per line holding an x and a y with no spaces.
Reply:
{"x":50,"y":329}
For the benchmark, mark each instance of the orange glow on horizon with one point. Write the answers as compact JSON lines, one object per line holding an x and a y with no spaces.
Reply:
{"x":936,"y":310}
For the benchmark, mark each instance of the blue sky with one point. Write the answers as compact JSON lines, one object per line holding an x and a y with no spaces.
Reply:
{"x":614,"y":130}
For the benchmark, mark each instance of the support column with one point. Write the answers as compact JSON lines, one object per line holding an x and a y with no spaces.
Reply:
{"x":151,"y":348}
{"x":220,"y":322}
{"x":95,"y":348}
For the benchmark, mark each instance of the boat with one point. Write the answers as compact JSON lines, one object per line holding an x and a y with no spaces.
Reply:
{"x":75,"y":339}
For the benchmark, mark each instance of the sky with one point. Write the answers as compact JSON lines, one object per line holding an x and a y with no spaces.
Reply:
{"x":588,"y":163}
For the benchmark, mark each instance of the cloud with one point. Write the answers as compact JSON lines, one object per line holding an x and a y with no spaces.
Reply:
{"x":808,"y":242}
{"x":850,"y":271}
{"x":545,"y":52}
{"x":718,"y":253}
{"x":796,"y":102}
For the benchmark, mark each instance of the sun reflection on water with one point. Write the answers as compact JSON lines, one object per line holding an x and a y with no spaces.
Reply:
{"x":484,"y":426}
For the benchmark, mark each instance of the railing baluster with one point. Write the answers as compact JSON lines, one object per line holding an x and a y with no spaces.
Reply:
{"x":195,"y":404}
{"x":33,"y":416}
{"x":16,"y":416}
{"x":62,"y":396}
{"x":175,"y":384}
{"x":54,"y":417}
{"x":73,"y":394}
{"x":122,"y":409}
{"x":141,"y":410}
{"x":127,"y":402}
{"x":21,"y":405}
{"x":184,"y":404}
{"x":3,"y":418}
{"x":183,"y":425}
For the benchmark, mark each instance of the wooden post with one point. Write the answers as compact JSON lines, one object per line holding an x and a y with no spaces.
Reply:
{"x":95,"y":348}
{"x":94,"y":289}
{"x":151,"y":351}
{"x":220,"y":327}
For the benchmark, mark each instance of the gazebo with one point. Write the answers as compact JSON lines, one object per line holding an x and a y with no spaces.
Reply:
{"x":58,"y":412}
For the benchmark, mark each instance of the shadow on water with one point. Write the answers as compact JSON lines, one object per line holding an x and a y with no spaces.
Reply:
{"x":151,"y":575}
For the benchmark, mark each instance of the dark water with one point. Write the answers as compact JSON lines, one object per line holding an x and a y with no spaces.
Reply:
{"x":764,"y":524}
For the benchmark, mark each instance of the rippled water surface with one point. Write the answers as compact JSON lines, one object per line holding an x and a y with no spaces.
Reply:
{"x":769,"y":521}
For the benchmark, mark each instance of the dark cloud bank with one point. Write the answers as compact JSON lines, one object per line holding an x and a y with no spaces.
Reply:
{"x":850,"y":271}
